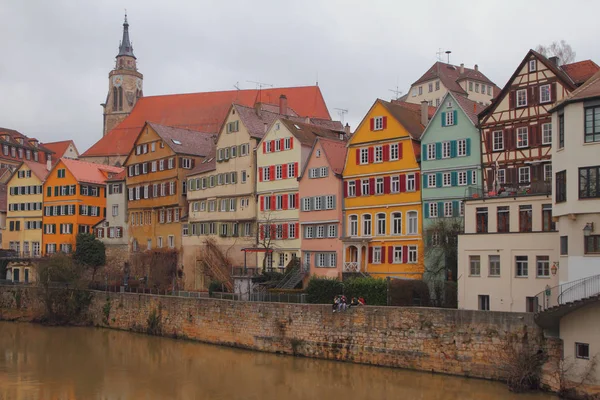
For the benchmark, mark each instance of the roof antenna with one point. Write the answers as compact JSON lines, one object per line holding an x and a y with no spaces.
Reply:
{"x":317,"y":78}
{"x":439,"y":54}
{"x":259,"y":86}
{"x":341,"y":113}
{"x":396,"y":91}
{"x":448,"y":54}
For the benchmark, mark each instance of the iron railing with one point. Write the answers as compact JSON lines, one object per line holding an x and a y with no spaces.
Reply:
{"x":510,"y":189}
{"x":568,"y":293}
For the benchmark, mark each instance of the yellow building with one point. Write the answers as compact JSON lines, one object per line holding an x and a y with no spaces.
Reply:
{"x":23,"y":232}
{"x":383,"y":232}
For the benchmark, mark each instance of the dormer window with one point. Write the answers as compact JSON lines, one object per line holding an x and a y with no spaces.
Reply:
{"x":532,"y":65}
{"x":13,"y":152}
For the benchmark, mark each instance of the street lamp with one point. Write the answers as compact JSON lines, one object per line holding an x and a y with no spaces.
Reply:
{"x":589,"y":228}
{"x":554,"y":268}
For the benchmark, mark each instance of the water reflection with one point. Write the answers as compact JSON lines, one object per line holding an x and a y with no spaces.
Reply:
{"x":86,"y":363}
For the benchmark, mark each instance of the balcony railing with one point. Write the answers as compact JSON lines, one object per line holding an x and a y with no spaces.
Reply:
{"x":569,"y":292}
{"x":13,"y":255}
{"x":510,"y":190}
{"x":352,"y":266}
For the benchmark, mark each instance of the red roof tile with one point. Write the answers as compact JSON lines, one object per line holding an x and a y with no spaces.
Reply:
{"x":470,"y":107}
{"x":335,"y":151}
{"x":410,"y":119}
{"x":450,"y":76}
{"x":118,"y":177}
{"x":38,"y":169}
{"x":307,"y":133}
{"x":202,"y":112}
{"x":415,"y":107}
{"x":206,"y":165}
{"x":59,"y":148}
{"x":580,"y":71}
{"x":27,"y":142}
{"x":589,"y":90}
{"x":90,"y":172}
{"x":185,"y":141}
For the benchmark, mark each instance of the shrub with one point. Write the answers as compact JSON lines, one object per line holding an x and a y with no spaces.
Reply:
{"x":409,"y":293}
{"x":323,"y":290}
{"x":216,"y":286}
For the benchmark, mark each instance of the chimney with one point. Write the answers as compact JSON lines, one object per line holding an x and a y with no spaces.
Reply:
{"x":257,"y":108}
{"x":554,"y":60}
{"x":476,"y":67}
{"x":347,"y":130}
{"x":462,"y":68}
{"x":283,"y":104}
{"x":266,"y":127}
{"x":424,"y":112}
{"x":307,"y":120}
{"x":48,"y":162}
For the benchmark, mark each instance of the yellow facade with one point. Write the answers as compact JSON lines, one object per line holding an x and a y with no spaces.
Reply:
{"x":382,"y":194}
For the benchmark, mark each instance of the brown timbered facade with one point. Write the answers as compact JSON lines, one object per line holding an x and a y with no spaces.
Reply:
{"x":516,"y":129}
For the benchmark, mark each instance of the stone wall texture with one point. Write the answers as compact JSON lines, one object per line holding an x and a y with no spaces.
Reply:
{"x":457,"y":342}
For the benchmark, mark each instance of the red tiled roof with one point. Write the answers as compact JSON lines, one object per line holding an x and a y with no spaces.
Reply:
{"x":415,"y":107}
{"x":90,"y":172}
{"x":13,"y":135}
{"x":580,"y":71}
{"x":410,"y":119}
{"x":307,"y":133}
{"x":206,"y":165}
{"x":335,"y":151}
{"x":3,"y":197}
{"x":38,"y":169}
{"x":470,"y":107}
{"x":59,"y":148}
{"x":118,"y":177}
{"x":185,"y":141}
{"x":202,"y":112}
{"x":450,"y":75}
{"x":589,"y":90}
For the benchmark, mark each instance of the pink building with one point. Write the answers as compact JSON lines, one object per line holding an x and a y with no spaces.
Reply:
{"x":321,"y":196}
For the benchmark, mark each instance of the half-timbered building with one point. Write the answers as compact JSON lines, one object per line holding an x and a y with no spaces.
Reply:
{"x":516,"y":129}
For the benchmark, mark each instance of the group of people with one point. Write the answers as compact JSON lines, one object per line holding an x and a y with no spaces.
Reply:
{"x":340,"y":303}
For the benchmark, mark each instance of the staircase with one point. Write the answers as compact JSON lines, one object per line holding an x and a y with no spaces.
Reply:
{"x":216,"y":264}
{"x":219,"y":274}
{"x":553,"y":303}
{"x":294,"y":275}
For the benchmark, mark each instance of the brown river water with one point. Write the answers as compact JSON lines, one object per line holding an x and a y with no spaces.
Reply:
{"x":38,"y":362}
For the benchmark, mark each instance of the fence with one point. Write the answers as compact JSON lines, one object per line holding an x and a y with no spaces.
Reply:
{"x":268,"y":297}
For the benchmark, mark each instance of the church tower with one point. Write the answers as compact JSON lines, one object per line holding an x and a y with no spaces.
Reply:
{"x":124,"y":84}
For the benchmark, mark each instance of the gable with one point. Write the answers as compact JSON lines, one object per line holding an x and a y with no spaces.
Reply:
{"x":367,"y":132}
{"x":146,"y":137}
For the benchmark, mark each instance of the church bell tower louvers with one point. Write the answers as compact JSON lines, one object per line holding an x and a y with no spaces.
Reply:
{"x":125,"y":84}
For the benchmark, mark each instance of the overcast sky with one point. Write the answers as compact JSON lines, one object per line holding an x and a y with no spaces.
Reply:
{"x":55,"y":56}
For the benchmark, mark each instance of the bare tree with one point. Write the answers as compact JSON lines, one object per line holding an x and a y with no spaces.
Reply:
{"x":562,"y":50}
{"x":572,"y":376}
{"x":267,"y":235}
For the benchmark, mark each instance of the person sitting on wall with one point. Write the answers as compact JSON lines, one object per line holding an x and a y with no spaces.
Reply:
{"x":336,"y":303}
{"x":343,"y":303}
{"x":354,"y":302}
{"x":361,"y":301}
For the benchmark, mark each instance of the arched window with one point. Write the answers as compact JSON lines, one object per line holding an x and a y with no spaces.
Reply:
{"x":397,"y":223}
{"x":367,"y":229}
{"x":120,"y":98}
{"x":381,"y":224}
{"x":353,"y":225}
{"x":115,"y":99}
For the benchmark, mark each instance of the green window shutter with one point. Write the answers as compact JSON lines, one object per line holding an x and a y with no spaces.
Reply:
{"x":49,"y":191}
{"x":440,"y":209}
{"x":438,"y":179}
{"x":443,"y":119}
{"x":424,"y":153}
{"x":468,"y":146}
{"x":438,"y":151}
{"x":453,"y":148}
{"x":56,"y":190}
{"x":469,"y":180}
{"x":426,"y":210}
{"x":334,"y":203}
{"x":455,"y":117}
{"x":455,"y":206}
{"x":453,"y":178}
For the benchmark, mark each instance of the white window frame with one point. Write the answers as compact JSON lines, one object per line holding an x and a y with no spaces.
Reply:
{"x":412,"y":217}
{"x":547,"y":133}
{"x":532,"y":66}
{"x":353,"y":225}
{"x":461,"y":147}
{"x":433,"y":210}
{"x":431,"y":151}
{"x":446,"y":179}
{"x":394,"y":151}
{"x":378,"y":154}
{"x":521,"y":98}
{"x":367,"y":225}
{"x":548,"y":172}
{"x":278,"y":172}
{"x":379,"y":189}
{"x":431,"y":180}
{"x":376,"y":255}
{"x":501,"y":176}
{"x":380,"y":224}
{"x":450,"y":118}
{"x":395,"y":184}
{"x":364,"y":156}
{"x":548,"y":92}
{"x":522,"y":137}
{"x":461,"y":178}
{"x":411,"y":182}
{"x":413,"y":254}
{"x":497,"y":140}
{"x":446,"y":149}
{"x":378,"y":123}
{"x":448,"y":209}
{"x":524,"y":172}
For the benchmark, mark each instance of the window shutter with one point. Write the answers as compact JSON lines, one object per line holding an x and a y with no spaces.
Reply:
{"x":534,"y":135}
{"x":511,"y":99}
{"x":438,"y":179}
{"x":284,"y":227}
{"x":383,"y":254}
{"x":357,"y":156}
{"x":295,"y":170}
{"x":443,"y":119}
{"x":426,"y":210}
{"x":423,"y":152}
{"x":334,"y":202}
{"x":358,"y":187}
{"x":56,"y":190}
{"x":297,"y":230}
{"x":370,"y":248}
{"x":260,"y":174}
{"x":386,"y":152}
{"x":400,"y":145}
{"x":468,"y":146}
{"x":284,"y":170}
{"x":284,"y":202}
{"x":311,"y":204}
{"x":440,"y":208}
{"x":384,"y":122}
{"x":371,"y":186}
{"x":490,"y":179}
{"x":273,"y":204}
{"x":371,"y":154}
{"x":262,"y":232}
{"x":488,"y":142}
{"x":264,"y":147}
{"x":455,"y":207}
{"x":438,"y":150}
{"x":390,"y":254}
{"x":453,"y":148}
{"x":402,"y":183}
{"x":512,"y":172}
{"x":291,"y":143}
{"x":372,"y":123}
{"x":272,"y":173}
{"x":346,"y":189}
{"x":455,"y":117}
{"x":469,"y":180}
{"x":453,"y":178}
{"x":424,"y":181}
{"x":261,"y":200}
{"x":386,"y":184}
{"x":404,"y":254}
{"x":553,"y":92}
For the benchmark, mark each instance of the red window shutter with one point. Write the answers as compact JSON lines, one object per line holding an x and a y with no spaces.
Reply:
{"x":284,"y":229}
{"x":372,"y":186}
{"x":370,"y":248}
{"x":291,"y":143}
{"x":533,"y":91}
{"x":175,"y":188}
{"x":272,"y":173}
{"x":357,"y":156}
{"x":264,"y":147}
{"x":417,"y":181}
{"x":404,"y":254}
{"x":260,"y":174}
{"x":511,"y":139}
{"x":371,"y":154}
{"x":386,"y":184}
{"x":400,"y":146}
{"x":490,"y":179}
{"x":346,"y":189}
{"x":383,"y":254}
{"x":553,"y":92}
{"x":402,"y":183}
{"x":297,"y":230}
{"x":384,"y":122}
{"x":284,"y":202}
{"x":390,"y":254}
{"x":358,"y":187}
{"x":284,"y":171}
{"x":262,"y":232}
{"x":372,"y":123}
{"x":281,"y":143}
{"x":488,"y":142}
{"x":273,"y":204}
{"x":511,"y":99}
{"x":533,"y":136}
{"x":273,"y":230}
{"x":262,"y":203}
{"x":386,"y":152}
{"x":295,"y":170}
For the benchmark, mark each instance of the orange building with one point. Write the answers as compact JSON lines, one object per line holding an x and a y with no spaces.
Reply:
{"x":74,"y":201}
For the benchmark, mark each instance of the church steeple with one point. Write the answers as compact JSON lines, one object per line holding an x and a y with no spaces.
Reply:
{"x":125,"y":47}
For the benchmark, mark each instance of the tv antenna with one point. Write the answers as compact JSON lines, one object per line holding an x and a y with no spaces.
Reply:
{"x":341,"y":113}
{"x":439,"y":54}
{"x":260,"y":85}
{"x":237,"y":86}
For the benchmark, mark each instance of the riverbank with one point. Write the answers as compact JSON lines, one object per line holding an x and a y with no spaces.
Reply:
{"x":456,"y":342}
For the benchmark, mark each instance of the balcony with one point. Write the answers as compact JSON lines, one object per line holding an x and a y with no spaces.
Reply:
{"x":16,"y":256}
{"x":510,"y":190}
{"x":351,"y":266}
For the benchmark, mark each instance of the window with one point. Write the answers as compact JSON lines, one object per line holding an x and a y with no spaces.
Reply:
{"x":481,"y":214}
{"x":430,"y":87}
{"x":445,"y":149}
{"x":291,"y":201}
{"x":379,"y":186}
{"x":437,"y":85}
{"x":547,"y":172}
{"x":244,"y":177}
{"x":317,"y":202}
{"x":365,"y":187}
{"x":448,"y":209}
{"x":278,"y":172}
{"x":378,"y":123}
{"x":475,"y":265}
{"x":433,"y":210}
{"x":351,"y":188}
{"x":484,"y":302}
{"x":525,"y":215}
{"x":462,"y":178}
{"x":309,"y":232}
{"x":331,"y":231}
{"x":266,"y":173}
{"x":503,"y":219}
{"x":447,"y":179}
{"x":320,"y":231}
{"x":591,"y":244}
{"x":394,"y":155}
{"x":521,"y":98}
{"x":449,"y":118}
{"x":171,"y":163}
{"x":589,"y":182}
{"x":353,"y":225}
{"x":494,"y":264}
{"x":532,"y":65}
{"x":287,"y":143}
{"x":561,"y":186}
{"x":377,"y":255}
{"x":521,"y":266}
{"x":431,"y":151}
{"x":582,"y":350}
{"x":395,"y":184}
{"x":564,"y":245}
{"x":431,"y":181}
{"x":470,"y":86}
{"x":381,"y":224}
{"x":411,"y":180}
{"x":412,"y":254}
{"x":367,"y":231}
{"x":291,"y":170}
{"x":364,"y":156}
{"x":524,"y":175}
{"x":378,"y":154}
{"x":61,"y":173}
{"x":412,"y":223}
{"x":547,"y":224}
{"x":545,"y":93}
{"x":461,"y":147}
{"x":498,"y":137}
{"x":437,"y":102}
{"x":115,"y":210}
{"x":329,"y":203}
{"x":547,"y":133}
{"x":522,"y":137}
{"x":477,"y":88}
{"x":543,"y":266}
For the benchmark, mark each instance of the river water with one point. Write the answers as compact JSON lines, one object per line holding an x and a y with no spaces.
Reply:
{"x":39,"y":362}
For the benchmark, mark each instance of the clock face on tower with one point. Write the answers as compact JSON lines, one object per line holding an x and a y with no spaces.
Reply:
{"x":117,"y":80}
{"x":138,"y":83}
